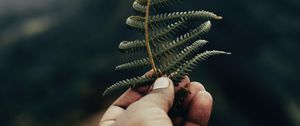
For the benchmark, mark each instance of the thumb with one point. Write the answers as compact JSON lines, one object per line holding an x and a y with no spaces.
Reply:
{"x":161,"y":96}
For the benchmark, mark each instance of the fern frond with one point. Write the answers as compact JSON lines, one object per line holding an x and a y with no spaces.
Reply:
{"x":158,"y":35}
{"x":168,"y":61}
{"x":185,"y":54}
{"x":161,"y":19}
{"x":166,"y":48}
{"x":173,"y":55}
{"x":167,"y":32}
{"x":133,"y":82}
{"x":136,"y":22}
{"x":188,"y":66}
{"x":156,"y":2}
{"x":187,"y":15}
{"x":182,"y":40}
{"x":134,"y":64}
{"x":132,"y":46}
{"x":140,"y":5}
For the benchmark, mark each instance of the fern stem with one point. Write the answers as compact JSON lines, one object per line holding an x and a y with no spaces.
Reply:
{"x":149,"y":53}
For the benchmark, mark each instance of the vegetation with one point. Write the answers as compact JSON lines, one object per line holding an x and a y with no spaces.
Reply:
{"x":168,"y":53}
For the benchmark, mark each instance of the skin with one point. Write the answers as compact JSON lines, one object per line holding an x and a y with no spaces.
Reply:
{"x":148,"y":106}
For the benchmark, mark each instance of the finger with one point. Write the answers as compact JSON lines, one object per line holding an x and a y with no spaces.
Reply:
{"x":128,"y":98}
{"x":110,"y":115}
{"x":193,"y":88}
{"x":200,"y":109}
{"x":132,"y":95}
{"x":161,"y":96}
{"x":151,"y":110}
{"x":119,"y":106}
{"x":183,"y":83}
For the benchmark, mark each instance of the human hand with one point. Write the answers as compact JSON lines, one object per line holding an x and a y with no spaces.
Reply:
{"x":144,"y":107}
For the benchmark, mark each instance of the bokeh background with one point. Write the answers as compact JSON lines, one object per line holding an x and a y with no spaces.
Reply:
{"x":57,"y":57}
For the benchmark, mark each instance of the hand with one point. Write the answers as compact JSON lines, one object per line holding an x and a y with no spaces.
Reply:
{"x":142,"y":107}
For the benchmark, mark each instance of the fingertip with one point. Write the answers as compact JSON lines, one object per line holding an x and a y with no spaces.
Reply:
{"x":194,"y":88}
{"x":162,"y":83}
{"x":161,"y":96}
{"x":200,"y":108}
{"x":198,"y":85}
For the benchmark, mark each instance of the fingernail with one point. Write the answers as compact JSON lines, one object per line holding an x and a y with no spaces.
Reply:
{"x":160,"y":83}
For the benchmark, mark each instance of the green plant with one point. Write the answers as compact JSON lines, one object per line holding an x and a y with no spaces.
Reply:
{"x":169,"y":53}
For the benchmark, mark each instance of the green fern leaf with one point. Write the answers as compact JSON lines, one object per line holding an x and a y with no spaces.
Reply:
{"x":166,"y":48}
{"x":170,"y":65}
{"x":132,"y":46}
{"x":206,"y":15}
{"x":157,"y":36}
{"x":183,"y":40}
{"x":140,"y":5}
{"x":166,"y":33}
{"x":135,"y":22}
{"x":173,"y":56}
{"x":188,"y":66}
{"x":156,"y":2}
{"x":133,"y":82}
{"x":159,"y":20}
{"x":134,"y":64}
{"x":174,"y":60}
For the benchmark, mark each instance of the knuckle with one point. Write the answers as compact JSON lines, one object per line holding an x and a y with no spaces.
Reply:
{"x":198,"y":85}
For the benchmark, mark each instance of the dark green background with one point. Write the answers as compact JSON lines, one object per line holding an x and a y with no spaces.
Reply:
{"x":57,"y":57}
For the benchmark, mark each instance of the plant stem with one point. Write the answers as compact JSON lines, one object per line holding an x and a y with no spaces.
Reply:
{"x":146,"y":25}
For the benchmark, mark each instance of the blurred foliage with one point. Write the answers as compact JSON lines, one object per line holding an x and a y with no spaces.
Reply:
{"x":57,"y":56}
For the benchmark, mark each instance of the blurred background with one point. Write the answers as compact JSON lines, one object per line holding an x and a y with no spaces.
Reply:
{"x":58,"y":56}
